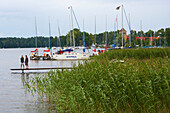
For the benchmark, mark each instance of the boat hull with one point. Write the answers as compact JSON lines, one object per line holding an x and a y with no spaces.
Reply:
{"x":70,"y":56}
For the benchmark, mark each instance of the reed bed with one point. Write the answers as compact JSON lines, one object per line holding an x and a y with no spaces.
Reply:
{"x":136,"y":53}
{"x":141,"y":84}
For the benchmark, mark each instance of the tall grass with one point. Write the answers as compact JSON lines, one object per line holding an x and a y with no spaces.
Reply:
{"x":141,"y":84}
{"x":136,"y":53}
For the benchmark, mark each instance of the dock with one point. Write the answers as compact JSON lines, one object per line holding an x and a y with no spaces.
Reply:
{"x":23,"y":69}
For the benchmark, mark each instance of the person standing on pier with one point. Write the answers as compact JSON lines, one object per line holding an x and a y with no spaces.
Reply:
{"x":26,"y":61}
{"x":22,"y":61}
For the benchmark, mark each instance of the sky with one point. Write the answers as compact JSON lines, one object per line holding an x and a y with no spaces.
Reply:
{"x":17,"y":17}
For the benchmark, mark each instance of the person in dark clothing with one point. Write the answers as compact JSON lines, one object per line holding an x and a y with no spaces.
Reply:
{"x":22,"y":61}
{"x":26,"y":61}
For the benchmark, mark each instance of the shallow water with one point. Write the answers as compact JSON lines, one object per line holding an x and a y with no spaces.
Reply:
{"x":14,"y":97}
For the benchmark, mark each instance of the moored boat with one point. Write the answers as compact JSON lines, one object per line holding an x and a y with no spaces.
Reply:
{"x":34,"y":55}
{"x":70,"y":56}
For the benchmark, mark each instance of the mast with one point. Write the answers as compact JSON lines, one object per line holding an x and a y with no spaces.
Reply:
{"x":59,"y":34}
{"x":155,"y":37}
{"x":36,"y":42}
{"x":122,"y":26}
{"x":114,"y":33}
{"x":72,"y":27}
{"x":130,"y":32}
{"x":106,"y":32}
{"x":35,"y":32}
{"x":70,"y":30}
{"x":141,"y":33}
{"x":117,"y":33}
{"x":95,"y":31}
{"x":165,"y":37}
{"x":49,"y":34}
{"x":83,"y":33}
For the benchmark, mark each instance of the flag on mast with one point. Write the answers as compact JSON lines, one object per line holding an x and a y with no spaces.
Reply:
{"x":117,"y":8}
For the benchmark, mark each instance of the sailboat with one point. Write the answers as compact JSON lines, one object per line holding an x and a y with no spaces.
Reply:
{"x":97,"y":51}
{"x":34,"y":54}
{"x":71,"y":55}
{"x":48,"y":53}
{"x":64,"y":49}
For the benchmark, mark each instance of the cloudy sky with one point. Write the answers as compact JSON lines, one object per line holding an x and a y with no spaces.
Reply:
{"x":17,"y":17}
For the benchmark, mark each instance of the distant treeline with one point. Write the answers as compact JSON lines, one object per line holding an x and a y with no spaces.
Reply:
{"x":16,"y":42}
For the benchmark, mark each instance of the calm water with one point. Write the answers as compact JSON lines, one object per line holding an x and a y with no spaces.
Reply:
{"x":14,"y":98}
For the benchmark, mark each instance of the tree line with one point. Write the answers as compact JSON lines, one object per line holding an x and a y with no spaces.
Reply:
{"x":112,"y":38}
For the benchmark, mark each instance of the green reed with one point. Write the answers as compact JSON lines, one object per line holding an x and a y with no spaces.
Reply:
{"x":137,"y":53}
{"x":141,"y":84}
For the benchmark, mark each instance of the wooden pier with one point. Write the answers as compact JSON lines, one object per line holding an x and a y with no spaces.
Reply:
{"x":23,"y":69}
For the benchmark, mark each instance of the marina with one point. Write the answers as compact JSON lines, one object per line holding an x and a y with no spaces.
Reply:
{"x":84,"y":56}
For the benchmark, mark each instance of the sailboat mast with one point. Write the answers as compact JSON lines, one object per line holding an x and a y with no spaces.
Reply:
{"x":72,"y":26}
{"x":36,"y":43}
{"x":59,"y":35}
{"x":95,"y":31}
{"x":106,"y":32}
{"x":141,"y":32}
{"x":83,"y":33}
{"x":151,"y":39}
{"x":122,"y":26}
{"x":117,"y":31}
{"x":130,"y":32}
{"x":49,"y":34}
{"x":70,"y":30}
{"x":155,"y":37}
{"x":165,"y":38}
{"x":114,"y":33}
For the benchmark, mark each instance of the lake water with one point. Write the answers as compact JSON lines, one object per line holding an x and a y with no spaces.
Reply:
{"x":14,"y":97}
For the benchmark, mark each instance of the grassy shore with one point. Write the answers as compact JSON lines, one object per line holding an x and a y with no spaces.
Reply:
{"x":140,"y":84}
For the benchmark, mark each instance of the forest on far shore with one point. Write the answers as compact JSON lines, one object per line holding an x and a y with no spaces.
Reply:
{"x":29,"y":42}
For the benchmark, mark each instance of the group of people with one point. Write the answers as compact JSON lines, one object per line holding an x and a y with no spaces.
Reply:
{"x":22,"y":61}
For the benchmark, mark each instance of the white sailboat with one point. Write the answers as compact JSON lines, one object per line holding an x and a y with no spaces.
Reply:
{"x":48,"y":53}
{"x":34,"y":54}
{"x":100,"y":49}
{"x":71,"y":55}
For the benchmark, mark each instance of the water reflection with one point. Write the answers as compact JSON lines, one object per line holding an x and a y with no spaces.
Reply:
{"x":36,"y":105}
{"x":24,"y":78}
